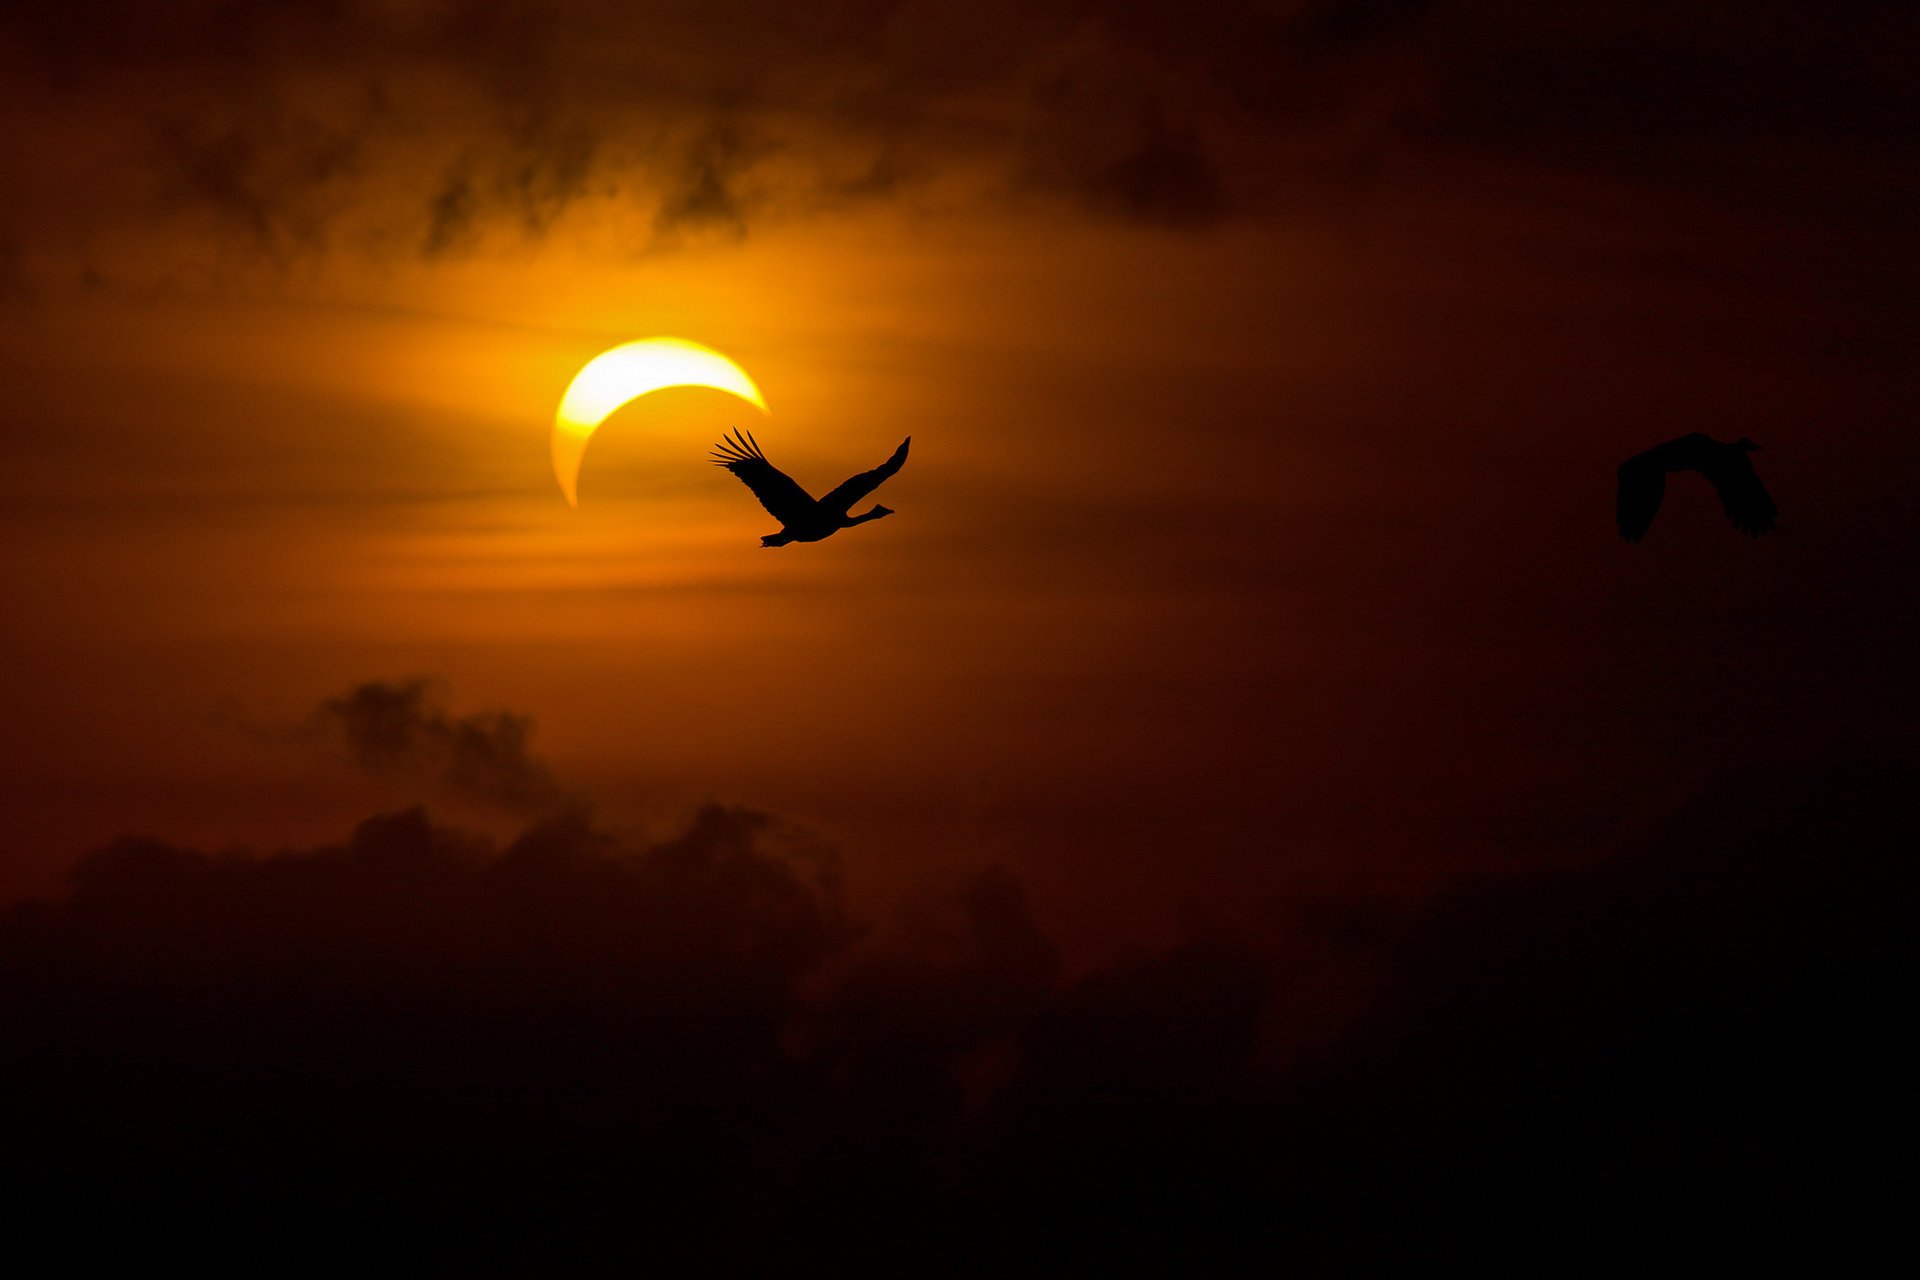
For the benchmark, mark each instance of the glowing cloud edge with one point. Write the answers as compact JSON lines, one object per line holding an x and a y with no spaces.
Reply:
{"x":625,"y":373}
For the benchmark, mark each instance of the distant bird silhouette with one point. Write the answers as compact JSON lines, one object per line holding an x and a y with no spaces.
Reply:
{"x":1643,"y":482}
{"x":802,"y":517}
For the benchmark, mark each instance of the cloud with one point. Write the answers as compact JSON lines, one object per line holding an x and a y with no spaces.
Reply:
{"x":399,"y":729}
{"x":318,"y":126}
{"x":377,"y":129}
{"x":704,"y":192}
{"x":451,"y":212}
{"x":581,"y":1049}
{"x":268,"y":178}
{"x":960,"y":973}
{"x":1106,"y":129}
{"x":531,"y":187}
{"x":1690,"y":1050}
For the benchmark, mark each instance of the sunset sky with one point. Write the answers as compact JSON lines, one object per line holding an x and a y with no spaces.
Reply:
{"x":1267,"y":365}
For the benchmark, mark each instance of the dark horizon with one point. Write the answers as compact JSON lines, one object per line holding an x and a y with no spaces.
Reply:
{"x":581,"y":1049}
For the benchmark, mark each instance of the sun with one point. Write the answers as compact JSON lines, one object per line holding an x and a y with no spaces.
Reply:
{"x":624,"y":373}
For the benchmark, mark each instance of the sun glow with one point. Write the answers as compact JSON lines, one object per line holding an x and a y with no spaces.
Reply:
{"x":633,"y":369}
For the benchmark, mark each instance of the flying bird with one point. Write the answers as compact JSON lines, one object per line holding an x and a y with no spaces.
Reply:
{"x":802,"y":517}
{"x":1643,"y":482}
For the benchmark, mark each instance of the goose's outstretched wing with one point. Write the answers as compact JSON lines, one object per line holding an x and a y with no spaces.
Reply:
{"x":1642,"y":483}
{"x":851,"y":491}
{"x":778,"y":492}
{"x":1747,"y":501}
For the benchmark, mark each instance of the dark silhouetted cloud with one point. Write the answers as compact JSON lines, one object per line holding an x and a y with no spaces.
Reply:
{"x":580,"y":1049}
{"x":1691,"y":1052}
{"x":400,"y":729}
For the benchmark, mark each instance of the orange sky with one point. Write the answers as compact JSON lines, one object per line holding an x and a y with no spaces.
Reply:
{"x":1247,"y":801}
{"x":1255,"y":537}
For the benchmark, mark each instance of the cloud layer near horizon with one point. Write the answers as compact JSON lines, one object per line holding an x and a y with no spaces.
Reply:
{"x":584,"y":1048}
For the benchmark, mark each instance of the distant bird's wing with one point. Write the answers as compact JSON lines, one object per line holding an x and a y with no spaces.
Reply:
{"x":1642,"y":483}
{"x":778,"y":492}
{"x":842,"y":498}
{"x":1747,"y":501}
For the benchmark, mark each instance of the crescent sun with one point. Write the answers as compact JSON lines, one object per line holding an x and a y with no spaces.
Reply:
{"x":625,"y":373}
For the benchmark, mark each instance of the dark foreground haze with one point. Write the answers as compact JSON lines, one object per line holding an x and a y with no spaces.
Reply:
{"x":420,"y":1049}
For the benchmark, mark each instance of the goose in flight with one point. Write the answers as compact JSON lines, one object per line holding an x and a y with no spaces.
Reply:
{"x":1643,"y":481}
{"x":802,"y":517}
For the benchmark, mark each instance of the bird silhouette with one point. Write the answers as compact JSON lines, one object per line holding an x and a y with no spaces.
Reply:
{"x":1643,"y":482}
{"x":802,"y":517}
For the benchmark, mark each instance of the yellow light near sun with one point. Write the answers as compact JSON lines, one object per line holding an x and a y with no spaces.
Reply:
{"x":630,"y":370}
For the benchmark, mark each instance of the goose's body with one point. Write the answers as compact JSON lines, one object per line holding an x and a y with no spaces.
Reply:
{"x":802,"y":517}
{"x":1643,"y":483}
